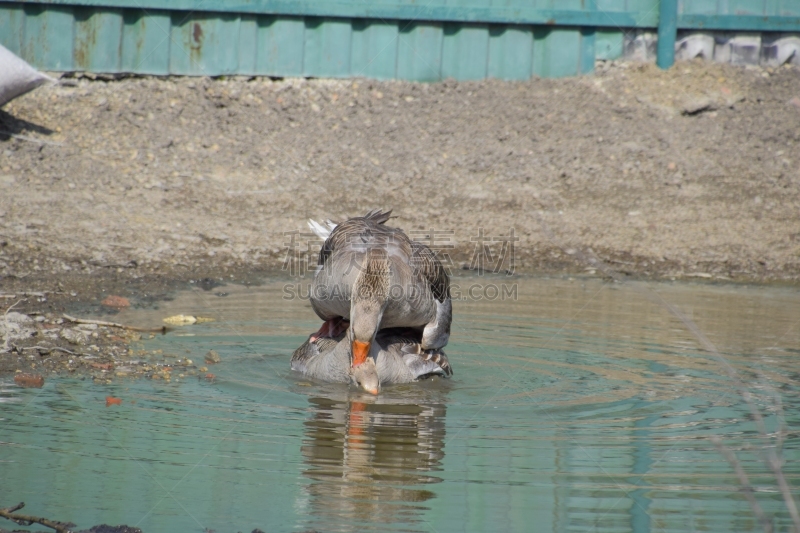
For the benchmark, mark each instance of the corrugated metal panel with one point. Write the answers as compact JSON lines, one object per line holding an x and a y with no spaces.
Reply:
{"x":741,"y":7}
{"x":788,"y":8}
{"x":248,"y":44}
{"x":281,"y":38}
{"x":204,"y":44}
{"x":510,"y":53}
{"x":465,"y":51}
{"x":145,"y":42}
{"x":556,"y":52}
{"x":98,"y":39}
{"x":12,"y":20}
{"x":48,"y":38}
{"x":609,"y":44}
{"x":698,"y":7}
{"x":419,"y":51}
{"x":587,"y":51}
{"x":280,"y":46}
{"x":553,"y":12}
{"x":374,"y":50}
{"x":327,"y":48}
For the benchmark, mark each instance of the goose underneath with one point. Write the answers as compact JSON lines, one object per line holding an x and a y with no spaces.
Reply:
{"x":395,"y":357}
{"x":370,"y":277}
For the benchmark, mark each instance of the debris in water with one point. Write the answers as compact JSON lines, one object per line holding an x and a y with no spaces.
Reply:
{"x":186,"y":320}
{"x":162,"y":329}
{"x":180,"y":320}
{"x":116,"y":302}
{"x":110,"y":400}
{"x":29,"y":381}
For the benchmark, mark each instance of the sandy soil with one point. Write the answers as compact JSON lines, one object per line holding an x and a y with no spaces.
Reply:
{"x":690,"y":172}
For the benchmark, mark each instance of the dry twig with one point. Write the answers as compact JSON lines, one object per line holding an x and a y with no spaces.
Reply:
{"x":27,"y":520}
{"x":162,"y":329}
{"x":30,"y":139}
{"x":48,"y":349}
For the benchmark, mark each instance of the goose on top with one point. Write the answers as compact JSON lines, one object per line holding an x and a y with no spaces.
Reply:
{"x":371,"y":276}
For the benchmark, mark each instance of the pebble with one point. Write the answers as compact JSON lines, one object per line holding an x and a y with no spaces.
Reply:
{"x":18,"y":318}
{"x":694,"y":107}
{"x":212,"y":357}
{"x":180,"y":320}
{"x":74,"y":336}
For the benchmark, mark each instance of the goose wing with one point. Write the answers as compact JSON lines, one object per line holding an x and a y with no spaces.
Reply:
{"x":431,"y":270}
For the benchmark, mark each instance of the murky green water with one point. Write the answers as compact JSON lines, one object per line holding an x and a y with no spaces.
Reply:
{"x":581,"y":406}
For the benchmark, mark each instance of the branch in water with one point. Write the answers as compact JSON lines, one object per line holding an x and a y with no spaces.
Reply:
{"x":26,"y":520}
{"x":162,"y":329}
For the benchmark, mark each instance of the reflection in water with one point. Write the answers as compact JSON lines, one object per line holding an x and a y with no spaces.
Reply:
{"x":369,"y":458}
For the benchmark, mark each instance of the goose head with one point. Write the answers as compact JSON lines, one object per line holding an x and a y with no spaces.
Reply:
{"x":367,"y":304}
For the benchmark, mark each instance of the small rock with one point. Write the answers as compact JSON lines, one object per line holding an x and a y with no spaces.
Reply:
{"x":795,"y":102}
{"x":18,"y":318}
{"x":180,"y":320}
{"x":212,"y":357}
{"x":697,"y":106}
{"x":116,"y":302}
{"x":74,"y":336}
{"x":11,"y":330}
{"x":29,"y":380}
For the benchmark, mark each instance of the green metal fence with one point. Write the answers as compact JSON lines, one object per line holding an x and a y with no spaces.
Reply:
{"x":405,"y":39}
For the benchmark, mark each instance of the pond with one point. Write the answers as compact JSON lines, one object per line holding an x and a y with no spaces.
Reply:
{"x":576,"y":405}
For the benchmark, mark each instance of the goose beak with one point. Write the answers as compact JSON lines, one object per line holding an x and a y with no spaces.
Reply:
{"x":360,"y":352}
{"x":364,"y":368}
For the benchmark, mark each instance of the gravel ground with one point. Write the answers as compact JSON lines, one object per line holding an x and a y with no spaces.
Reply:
{"x":125,"y":186}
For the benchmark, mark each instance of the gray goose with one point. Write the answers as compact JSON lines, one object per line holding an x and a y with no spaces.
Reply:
{"x":371,"y":276}
{"x":395,"y":357}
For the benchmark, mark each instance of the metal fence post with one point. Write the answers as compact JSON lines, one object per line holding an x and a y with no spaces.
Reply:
{"x":667,"y":32}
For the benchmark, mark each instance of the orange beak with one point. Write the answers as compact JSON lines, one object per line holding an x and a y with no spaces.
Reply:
{"x":360,"y":352}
